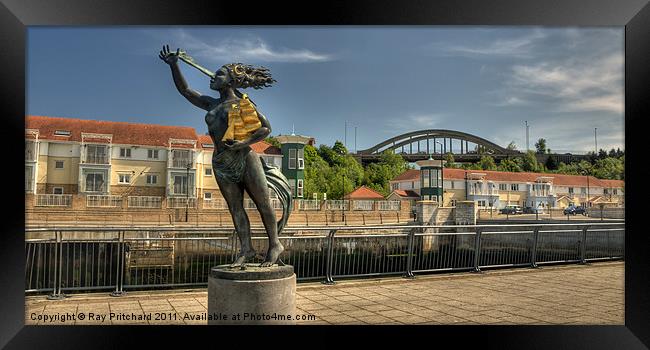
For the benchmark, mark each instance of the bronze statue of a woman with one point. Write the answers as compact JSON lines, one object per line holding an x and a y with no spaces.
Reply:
{"x":235,"y":123}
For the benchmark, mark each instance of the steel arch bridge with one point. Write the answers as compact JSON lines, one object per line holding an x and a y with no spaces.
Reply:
{"x":418,"y":145}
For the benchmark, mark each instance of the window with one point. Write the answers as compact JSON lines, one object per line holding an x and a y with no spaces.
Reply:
{"x":301,"y":158}
{"x":125,"y":152}
{"x":394,"y":186}
{"x":583,"y":190}
{"x":481,"y":203}
{"x":412,"y":184}
{"x":514,"y":187}
{"x":96,"y":154}
{"x":58,"y":164}
{"x":452,"y":184}
{"x":571,"y":190}
{"x":452,"y":202}
{"x":425,"y":178}
{"x":292,"y":184}
{"x":62,"y":132}
{"x":152,"y":179}
{"x":292,"y":158}
{"x":208,"y":171}
{"x":57,"y":190}
{"x":300,"y":185}
{"x":615,"y":191}
{"x":605,"y":191}
{"x":124,"y":178}
{"x":94,"y":182}
{"x":152,"y":154}
{"x":503,"y":187}
{"x":207,"y":196}
{"x":182,"y":185}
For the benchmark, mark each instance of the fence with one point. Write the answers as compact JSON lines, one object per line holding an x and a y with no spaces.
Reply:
{"x":145,"y":202}
{"x":337,"y":204}
{"x":363,"y":204}
{"x":217,"y":203}
{"x":389,"y":205}
{"x":86,"y":259}
{"x":103,"y":201}
{"x":53,"y":200}
{"x":309,"y":204}
{"x":181,"y":202}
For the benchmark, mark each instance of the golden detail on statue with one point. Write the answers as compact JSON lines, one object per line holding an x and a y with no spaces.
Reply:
{"x":242,"y":120}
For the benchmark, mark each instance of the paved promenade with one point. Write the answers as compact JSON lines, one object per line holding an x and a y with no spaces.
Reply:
{"x":569,"y":294}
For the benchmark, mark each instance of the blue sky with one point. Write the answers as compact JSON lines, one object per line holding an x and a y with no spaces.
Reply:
{"x":382,"y":80}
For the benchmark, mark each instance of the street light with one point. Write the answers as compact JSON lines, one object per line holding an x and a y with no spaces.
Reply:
{"x":187,"y":192}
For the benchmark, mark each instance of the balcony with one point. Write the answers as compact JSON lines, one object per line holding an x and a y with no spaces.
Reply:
{"x":96,"y":159}
{"x":181,"y":202}
{"x":53,"y":200}
{"x":151,"y":202}
{"x":473,"y":192}
{"x":30,"y":151}
{"x":180,"y":159}
{"x":103,"y":201}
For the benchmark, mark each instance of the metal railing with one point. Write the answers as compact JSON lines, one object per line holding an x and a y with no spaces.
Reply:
{"x":145,"y":202}
{"x":363,"y":204}
{"x":181,"y":202}
{"x":389,"y":205}
{"x":117,"y":259}
{"x":217,"y":203}
{"x":337,"y":204}
{"x":53,"y":200}
{"x":103,"y":201}
{"x":96,"y":159}
{"x":309,"y":204}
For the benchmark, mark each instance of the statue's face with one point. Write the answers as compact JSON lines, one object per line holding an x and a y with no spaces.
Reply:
{"x":221,"y":79}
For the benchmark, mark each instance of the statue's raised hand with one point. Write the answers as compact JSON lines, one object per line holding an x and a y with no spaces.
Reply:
{"x":168,"y":56}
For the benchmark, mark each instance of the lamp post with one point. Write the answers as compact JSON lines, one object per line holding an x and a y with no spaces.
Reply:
{"x":187,"y":192}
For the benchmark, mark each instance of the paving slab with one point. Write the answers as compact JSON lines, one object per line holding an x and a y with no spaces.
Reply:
{"x":553,"y":295}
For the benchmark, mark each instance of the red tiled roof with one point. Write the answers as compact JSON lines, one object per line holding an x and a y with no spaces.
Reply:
{"x":122,"y":132}
{"x":504,"y":176}
{"x":126,"y":133}
{"x":364,"y":192}
{"x":406,"y":193}
{"x":264,"y":147}
{"x":411,"y":174}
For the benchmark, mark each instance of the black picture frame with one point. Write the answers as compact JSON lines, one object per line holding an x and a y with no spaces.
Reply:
{"x":16,"y":15}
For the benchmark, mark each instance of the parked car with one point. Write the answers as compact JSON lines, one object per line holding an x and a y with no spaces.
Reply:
{"x":575,"y":211}
{"x":512,"y":209}
{"x":531,"y":210}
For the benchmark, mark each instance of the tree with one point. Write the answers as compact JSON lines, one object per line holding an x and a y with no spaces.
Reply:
{"x":530,"y":162}
{"x":273,"y":141}
{"x":317,"y":172}
{"x":449,"y":160}
{"x":540,"y":145}
{"x":608,"y":168}
{"x":512,"y":165}
{"x":551,"y":163}
{"x":512,"y":146}
{"x":487,"y":163}
{"x":339,"y":148}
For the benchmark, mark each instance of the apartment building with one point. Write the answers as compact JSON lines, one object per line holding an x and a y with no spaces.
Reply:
{"x":497,"y":189}
{"x":108,"y":162}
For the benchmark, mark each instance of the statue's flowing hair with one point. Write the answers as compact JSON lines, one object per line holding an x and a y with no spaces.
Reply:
{"x":245,"y":76}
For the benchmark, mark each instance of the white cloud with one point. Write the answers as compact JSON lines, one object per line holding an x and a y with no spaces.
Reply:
{"x":573,"y":85}
{"x":414,"y":122}
{"x":518,"y":47}
{"x":242,"y":49}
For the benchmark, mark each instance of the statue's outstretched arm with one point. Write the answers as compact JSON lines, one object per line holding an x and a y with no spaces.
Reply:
{"x":196,"y":98}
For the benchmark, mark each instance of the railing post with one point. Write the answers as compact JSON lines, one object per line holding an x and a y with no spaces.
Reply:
{"x":119,"y":282}
{"x":409,"y":256}
{"x":58,"y":266}
{"x":533,"y":254}
{"x":477,"y":250}
{"x":583,"y":246}
{"x":329,"y":278}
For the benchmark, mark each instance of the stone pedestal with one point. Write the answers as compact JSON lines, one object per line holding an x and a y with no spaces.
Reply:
{"x":253,"y":295}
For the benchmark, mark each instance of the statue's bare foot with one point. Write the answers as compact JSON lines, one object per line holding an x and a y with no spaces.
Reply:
{"x":243,"y":258}
{"x":272,"y":255}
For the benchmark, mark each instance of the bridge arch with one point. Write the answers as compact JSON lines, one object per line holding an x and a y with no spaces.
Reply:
{"x":409,"y":138}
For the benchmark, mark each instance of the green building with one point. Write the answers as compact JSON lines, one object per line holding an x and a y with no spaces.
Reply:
{"x":431,"y":179}
{"x":293,"y":161}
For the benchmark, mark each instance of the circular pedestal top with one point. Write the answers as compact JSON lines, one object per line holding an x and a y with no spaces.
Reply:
{"x":251,"y":272}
